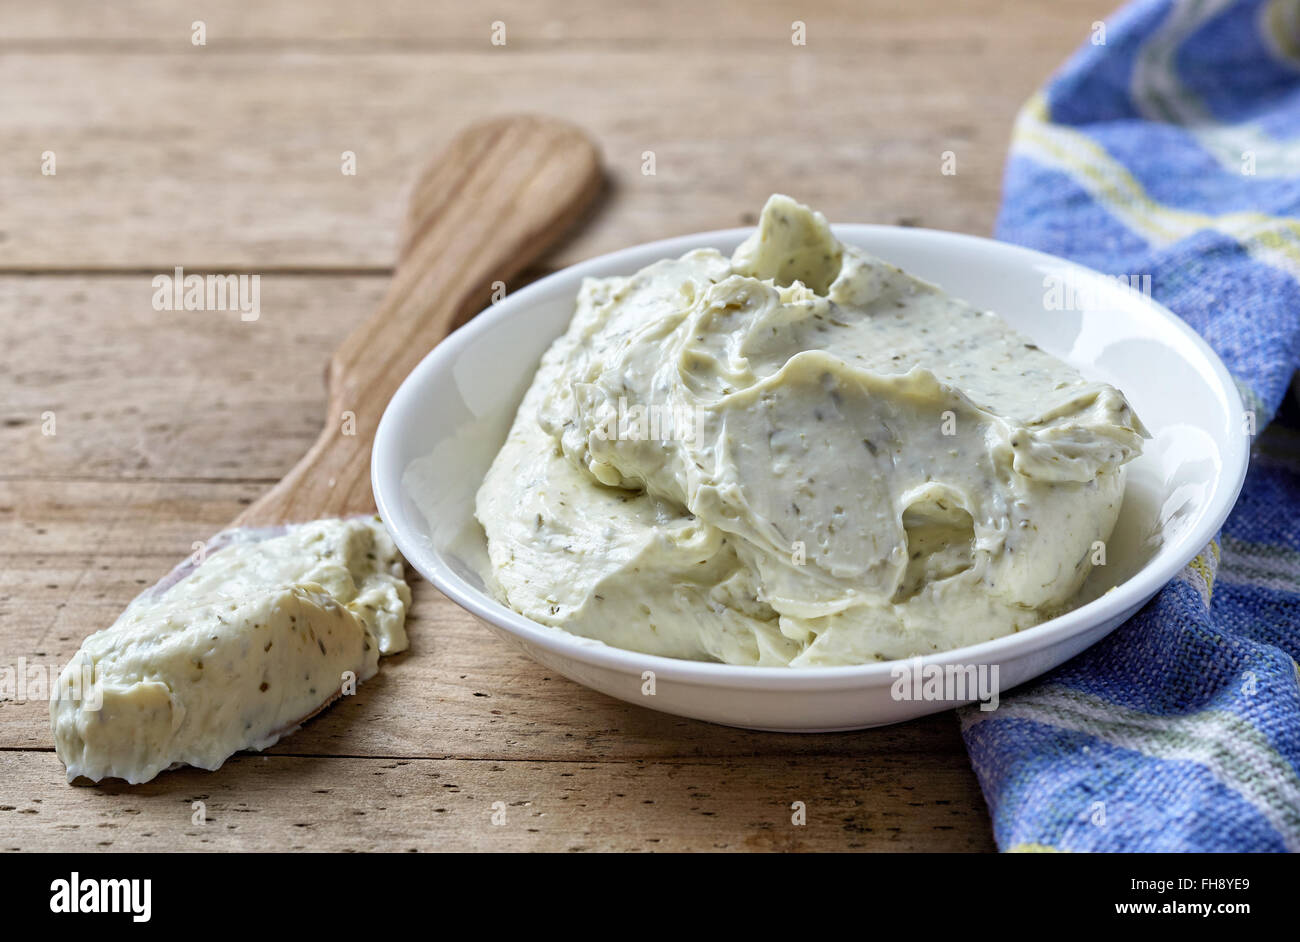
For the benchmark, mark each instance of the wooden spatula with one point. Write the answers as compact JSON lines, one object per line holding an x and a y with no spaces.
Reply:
{"x":502,"y":193}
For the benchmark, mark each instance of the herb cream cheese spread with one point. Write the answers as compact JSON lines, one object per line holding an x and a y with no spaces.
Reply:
{"x":232,"y":651}
{"x":799,"y":455}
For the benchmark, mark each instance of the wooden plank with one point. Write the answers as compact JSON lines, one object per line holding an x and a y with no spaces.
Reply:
{"x":140,"y":393}
{"x":231,"y":160}
{"x":135,"y":26}
{"x":292,"y":803}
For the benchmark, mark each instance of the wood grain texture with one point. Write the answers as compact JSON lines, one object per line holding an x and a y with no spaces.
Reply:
{"x":135,"y":26}
{"x":228,"y":155}
{"x":401,"y":804}
{"x":140,"y":394}
{"x":226,"y":158}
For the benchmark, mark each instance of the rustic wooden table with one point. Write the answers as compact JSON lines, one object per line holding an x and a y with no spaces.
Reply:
{"x":226,"y":157}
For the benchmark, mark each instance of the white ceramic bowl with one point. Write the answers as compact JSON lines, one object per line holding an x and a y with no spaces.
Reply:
{"x":446,"y":422}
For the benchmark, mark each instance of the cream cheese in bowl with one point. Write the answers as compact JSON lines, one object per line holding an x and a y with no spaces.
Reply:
{"x":799,"y":455}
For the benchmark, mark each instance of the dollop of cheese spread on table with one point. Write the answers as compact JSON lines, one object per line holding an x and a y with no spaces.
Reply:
{"x":799,"y":455}
{"x":232,"y":651}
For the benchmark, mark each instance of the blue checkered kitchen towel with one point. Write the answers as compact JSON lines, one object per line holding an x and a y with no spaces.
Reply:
{"x":1170,"y":145}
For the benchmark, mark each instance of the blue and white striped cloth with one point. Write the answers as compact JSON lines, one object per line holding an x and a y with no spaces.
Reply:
{"x":1170,"y":145}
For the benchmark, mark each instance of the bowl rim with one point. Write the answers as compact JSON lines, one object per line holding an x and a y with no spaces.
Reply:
{"x":1123,"y":600}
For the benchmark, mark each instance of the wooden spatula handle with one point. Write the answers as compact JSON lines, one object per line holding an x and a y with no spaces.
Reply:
{"x":502,"y":193}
